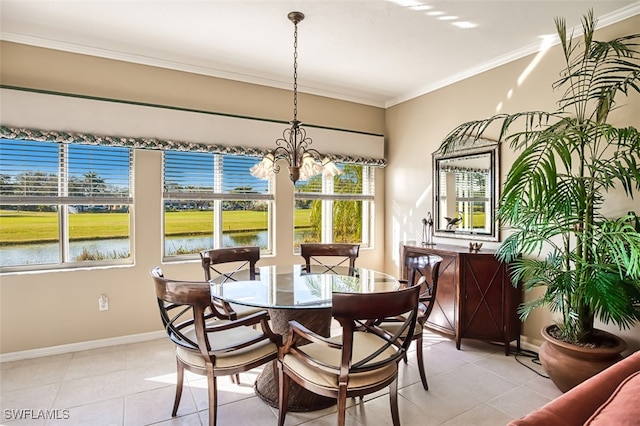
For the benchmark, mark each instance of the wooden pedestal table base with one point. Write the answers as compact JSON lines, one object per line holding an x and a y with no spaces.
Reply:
{"x":300,"y":399}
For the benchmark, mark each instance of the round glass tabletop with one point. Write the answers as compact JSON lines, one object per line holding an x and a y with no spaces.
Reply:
{"x":292,"y":287}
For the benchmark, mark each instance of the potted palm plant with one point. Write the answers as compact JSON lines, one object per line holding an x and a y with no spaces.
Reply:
{"x":552,"y":199}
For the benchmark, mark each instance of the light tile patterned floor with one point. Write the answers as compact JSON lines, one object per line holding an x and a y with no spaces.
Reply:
{"x":134,"y":385}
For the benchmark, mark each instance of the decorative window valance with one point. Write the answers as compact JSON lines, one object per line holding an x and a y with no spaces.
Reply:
{"x":7,"y":132}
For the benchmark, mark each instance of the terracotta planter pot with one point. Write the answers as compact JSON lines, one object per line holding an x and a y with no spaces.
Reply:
{"x":569,"y":365}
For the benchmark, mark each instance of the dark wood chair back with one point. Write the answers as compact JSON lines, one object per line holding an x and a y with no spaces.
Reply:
{"x":178,"y":301}
{"x":316,"y":252}
{"x":243,"y":257}
{"x":358,"y":311}
{"x":428,"y":266}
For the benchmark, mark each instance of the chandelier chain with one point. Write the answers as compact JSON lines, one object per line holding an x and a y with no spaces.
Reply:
{"x":295,"y":72}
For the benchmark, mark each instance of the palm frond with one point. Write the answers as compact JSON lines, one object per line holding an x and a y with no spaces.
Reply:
{"x":623,"y":166}
{"x":475,"y":129}
{"x":609,"y":297}
{"x":598,"y":71}
{"x":616,"y":248}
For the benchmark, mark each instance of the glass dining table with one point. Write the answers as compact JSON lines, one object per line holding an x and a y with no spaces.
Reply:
{"x":291,"y":292}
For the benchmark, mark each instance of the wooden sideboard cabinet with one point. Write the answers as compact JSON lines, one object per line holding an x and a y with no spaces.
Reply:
{"x":475,"y":298}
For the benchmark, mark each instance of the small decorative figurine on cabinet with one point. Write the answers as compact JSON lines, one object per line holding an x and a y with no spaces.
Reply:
{"x":427,"y":230}
{"x":475,"y":246}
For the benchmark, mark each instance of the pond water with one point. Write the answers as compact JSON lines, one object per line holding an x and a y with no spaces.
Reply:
{"x":36,"y":254}
{"x":179,"y":245}
{"x":31,"y":254}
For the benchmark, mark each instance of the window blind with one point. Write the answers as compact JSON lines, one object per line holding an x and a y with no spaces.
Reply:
{"x":59,"y":173}
{"x":205,"y":176}
{"x":355,"y":183}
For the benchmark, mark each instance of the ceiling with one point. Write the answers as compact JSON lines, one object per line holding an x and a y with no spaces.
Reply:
{"x":374,"y":52}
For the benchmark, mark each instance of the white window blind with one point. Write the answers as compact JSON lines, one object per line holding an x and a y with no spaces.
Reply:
{"x":355,"y":183}
{"x":55,"y":173}
{"x":206,"y":176}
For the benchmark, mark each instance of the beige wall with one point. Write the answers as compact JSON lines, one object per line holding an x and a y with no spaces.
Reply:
{"x":47,"y":69}
{"x":49,"y":309}
{"x":416,"y":128}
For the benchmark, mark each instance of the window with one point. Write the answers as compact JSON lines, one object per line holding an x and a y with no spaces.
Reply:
{"x":211,"y":201}
{"x":335,"y":209}
{"x":64,"y":204}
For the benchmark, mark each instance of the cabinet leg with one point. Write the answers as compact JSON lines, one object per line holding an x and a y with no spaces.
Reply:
{"x":507,"y":346}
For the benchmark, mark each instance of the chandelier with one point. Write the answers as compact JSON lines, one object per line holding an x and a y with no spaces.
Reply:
{"x":293,"y":146}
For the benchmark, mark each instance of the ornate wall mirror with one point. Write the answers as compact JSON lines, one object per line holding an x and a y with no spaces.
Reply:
{"x":466,"y":190}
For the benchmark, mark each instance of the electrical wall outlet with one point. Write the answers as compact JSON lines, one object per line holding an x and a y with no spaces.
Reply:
{"x":103,"y":302}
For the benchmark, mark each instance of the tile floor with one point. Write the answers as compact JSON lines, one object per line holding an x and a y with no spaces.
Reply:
{"x":134,"y":385}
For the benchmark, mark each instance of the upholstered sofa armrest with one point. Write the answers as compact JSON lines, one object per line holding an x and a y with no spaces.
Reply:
{"x":577,"y":405}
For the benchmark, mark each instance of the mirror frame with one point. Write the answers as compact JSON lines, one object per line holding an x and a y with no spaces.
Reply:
{"x":463,"y":148}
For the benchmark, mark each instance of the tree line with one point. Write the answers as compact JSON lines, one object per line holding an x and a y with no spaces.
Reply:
{"x":37,"y":183}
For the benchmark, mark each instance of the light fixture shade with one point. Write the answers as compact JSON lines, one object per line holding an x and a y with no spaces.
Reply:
{"x":310,"y":167}
{"x":329,"y":168}
{"x":265,"y":168}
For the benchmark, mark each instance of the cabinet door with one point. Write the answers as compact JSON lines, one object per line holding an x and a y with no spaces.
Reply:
{"x":444,"y":313}
{"x":482,"y":290}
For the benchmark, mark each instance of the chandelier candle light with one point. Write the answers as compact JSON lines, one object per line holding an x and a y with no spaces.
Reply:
{"x":293,"y":146}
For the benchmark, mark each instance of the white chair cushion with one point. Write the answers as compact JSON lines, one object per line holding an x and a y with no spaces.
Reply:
{"x":244,"y":311}
{"x":364,"y":344}
{"x":226,"y":338}
{"x":393,"y":327}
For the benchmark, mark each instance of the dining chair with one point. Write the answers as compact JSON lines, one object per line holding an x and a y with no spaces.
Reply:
{"x":422,"y":272}
{"x":238,"y":258}
{"x":206,"y":344}
{"x":360,"y":361}
{"x":316,"y":253}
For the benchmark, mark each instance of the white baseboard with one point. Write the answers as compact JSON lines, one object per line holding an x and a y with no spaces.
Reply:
{"x":81,"y":346}
{"x":529,"y":346}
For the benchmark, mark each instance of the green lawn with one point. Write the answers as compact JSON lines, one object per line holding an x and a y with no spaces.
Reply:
{"x":201,"y":222}
{"x":27,"y":226}
{"x":478,"y":220}
{"x":302,"y":218}
{"x":23,"y":227}
{"x":194,"y":222}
